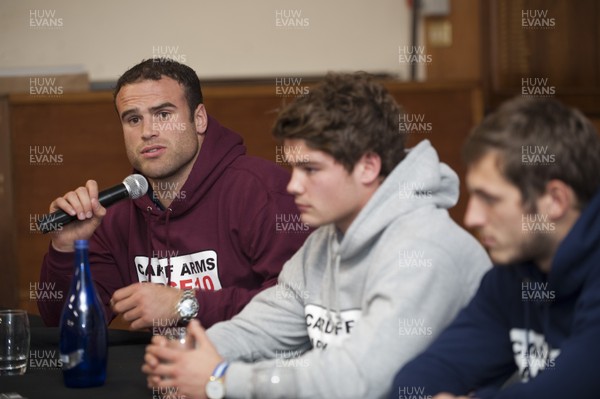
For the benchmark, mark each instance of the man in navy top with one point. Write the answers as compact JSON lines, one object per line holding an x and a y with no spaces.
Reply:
{"x":534,"y":178}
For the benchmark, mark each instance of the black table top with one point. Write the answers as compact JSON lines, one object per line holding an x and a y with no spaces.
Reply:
{"x":44,"y":379}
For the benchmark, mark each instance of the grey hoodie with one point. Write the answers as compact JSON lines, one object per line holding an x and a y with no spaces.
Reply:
{"x":349,"y":310}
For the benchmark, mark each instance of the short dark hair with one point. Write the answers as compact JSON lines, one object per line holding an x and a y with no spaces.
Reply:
{"x":568,"y":147}
{"x":155,"y":69}
{"x":346,"y":116}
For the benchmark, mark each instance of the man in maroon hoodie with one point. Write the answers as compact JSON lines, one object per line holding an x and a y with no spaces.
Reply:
{"x":206,"y":233}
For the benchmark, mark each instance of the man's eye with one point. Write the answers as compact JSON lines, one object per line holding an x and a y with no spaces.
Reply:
{"x":164,"y":115}
{"x":133,"y":120}
{"x":489,"y":200}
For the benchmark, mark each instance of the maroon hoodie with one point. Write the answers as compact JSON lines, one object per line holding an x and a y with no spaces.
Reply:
{"x":221,"y":235}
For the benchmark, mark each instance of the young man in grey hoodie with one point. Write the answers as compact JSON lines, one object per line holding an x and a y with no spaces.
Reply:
{"x":384,"y":273}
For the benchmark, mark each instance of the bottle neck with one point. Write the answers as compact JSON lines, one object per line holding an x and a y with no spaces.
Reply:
{"x":82,"y":263}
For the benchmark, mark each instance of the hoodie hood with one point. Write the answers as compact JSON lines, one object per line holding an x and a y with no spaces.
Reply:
{"x":579,"y":253}
{"x":576,"y":257}
{"x":419,"y":180}
{"x":220,"y":148}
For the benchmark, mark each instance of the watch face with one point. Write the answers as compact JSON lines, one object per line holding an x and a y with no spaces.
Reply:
{"x":188,"y":308}
{"x":215,"y":389}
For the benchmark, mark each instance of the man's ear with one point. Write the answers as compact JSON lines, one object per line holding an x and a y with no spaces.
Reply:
{"x":557,"y":200}
{"x":368,"y":168}
{"x":200,"y":119}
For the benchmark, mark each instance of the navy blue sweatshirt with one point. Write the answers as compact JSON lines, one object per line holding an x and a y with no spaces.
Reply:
{"x":544,"y":327}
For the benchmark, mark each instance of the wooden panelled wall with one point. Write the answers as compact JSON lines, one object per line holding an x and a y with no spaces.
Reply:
{"x":84,"y":134}
{"x":549,"y":46}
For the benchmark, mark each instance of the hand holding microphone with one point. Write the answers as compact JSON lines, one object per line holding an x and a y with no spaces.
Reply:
{"x":86,"y":205}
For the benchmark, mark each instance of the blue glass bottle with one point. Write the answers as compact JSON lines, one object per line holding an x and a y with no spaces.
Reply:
{"x":83,"y":332}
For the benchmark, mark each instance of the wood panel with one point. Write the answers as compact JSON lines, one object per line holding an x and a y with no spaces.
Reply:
{"x":555,"y":39}
{"x":565,"y":54}
{"x":8,"y":264}
{"x":461,"y":60}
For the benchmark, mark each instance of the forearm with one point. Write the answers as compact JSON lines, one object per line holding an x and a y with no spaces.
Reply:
{"x":55,"y":278}
{"x":265,"y":327}
{"x":354,"y":370}
{"x":217,"y":306}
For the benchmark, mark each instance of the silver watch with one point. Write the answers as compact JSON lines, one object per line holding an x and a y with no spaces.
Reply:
{"x":187,"y":307}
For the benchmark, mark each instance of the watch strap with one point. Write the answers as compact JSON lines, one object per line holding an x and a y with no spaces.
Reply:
{"x":220,"y":370}
{"x":215,"y":388}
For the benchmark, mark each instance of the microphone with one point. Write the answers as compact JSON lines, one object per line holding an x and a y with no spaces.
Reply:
{"x":134,"y":186}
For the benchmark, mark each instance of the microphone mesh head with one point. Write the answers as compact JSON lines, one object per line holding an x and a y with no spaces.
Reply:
{"x":136,"y":185}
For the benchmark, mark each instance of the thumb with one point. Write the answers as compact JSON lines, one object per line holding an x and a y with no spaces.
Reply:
{"x":98,"y":209}
{"x":197,"y":332}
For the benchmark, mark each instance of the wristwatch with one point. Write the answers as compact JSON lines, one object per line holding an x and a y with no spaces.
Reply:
{"x":215,"y":389}
{"x":187,"y":307}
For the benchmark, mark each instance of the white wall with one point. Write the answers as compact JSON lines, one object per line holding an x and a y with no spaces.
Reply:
{"x":218,"y":38}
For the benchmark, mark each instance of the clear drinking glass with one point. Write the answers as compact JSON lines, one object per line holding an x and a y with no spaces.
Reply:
{"x":177,"y":338}
{"x":14,"y":342}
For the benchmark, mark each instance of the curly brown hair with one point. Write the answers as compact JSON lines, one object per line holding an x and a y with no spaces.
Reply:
{"x":346,"y":116}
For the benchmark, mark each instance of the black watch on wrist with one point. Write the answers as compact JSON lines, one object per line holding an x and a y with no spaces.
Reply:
{"x":187,"y":307}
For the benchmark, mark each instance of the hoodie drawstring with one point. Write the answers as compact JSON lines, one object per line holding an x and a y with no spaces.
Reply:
{"x":149,"y":244}
{"x":527,"y":338}
{"x":330,"y":287}
{"x":169,"y":210}
{"x":335,"y":275}
{"x":326,"y":280}
{"x":150,"y":247}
